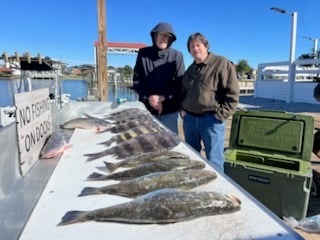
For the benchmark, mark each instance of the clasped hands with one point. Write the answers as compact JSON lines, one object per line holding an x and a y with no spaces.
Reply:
{"x":155,"y":101}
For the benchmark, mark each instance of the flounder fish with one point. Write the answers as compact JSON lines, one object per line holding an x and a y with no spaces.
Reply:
{"x":127,"y":125}
{"x":139,"y":117}
{"x":132,"y":133}
{"x":150,"y":142}
{"x":126,"y":114}
{"x":158,"y":166}
{"x":94,"y":124}
{"x":182,"y":179}
{"x":160,"y":207}
{"x":135,"y":161}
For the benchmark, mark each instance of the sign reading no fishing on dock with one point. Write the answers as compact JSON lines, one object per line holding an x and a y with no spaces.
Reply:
{"x":34,"y":125}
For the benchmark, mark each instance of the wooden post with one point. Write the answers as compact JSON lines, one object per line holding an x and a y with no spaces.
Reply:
{"x":17,"y":57}
{"x":39,"y":58}
{"x":27,"y":55}
{"x":101,"y":52}
{"x":5,"y":57}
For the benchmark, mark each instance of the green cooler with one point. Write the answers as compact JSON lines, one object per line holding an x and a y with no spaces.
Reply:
{"x":269,"y":156}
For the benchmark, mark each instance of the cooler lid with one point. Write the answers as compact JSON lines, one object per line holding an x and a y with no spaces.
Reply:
{"x":273,"y":132}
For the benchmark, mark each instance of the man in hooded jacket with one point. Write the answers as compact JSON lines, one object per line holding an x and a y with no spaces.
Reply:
{"x":158,"y":73}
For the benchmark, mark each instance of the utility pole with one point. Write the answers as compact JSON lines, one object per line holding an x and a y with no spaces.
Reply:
{"x":101,"y":53}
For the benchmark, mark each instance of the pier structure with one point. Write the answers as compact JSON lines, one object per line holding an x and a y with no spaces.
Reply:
{"x":119,"y":48}
{"x":36,"y":67}
{"x":122,"y":48}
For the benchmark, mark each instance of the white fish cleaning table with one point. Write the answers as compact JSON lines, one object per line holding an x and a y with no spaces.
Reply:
{"x":60,"y":195}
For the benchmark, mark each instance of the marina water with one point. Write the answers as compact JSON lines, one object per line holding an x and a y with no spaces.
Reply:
{"x":78,"y":89}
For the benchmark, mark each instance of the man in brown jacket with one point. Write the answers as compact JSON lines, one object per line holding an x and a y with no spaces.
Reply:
{"x":210,"y":94}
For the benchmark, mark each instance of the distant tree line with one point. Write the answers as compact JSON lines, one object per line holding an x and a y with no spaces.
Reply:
{"x":243,"y":69}
{"x":125,"y":72}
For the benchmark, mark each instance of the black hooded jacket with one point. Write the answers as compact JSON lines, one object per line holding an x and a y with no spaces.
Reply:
{"x":159,"y":72}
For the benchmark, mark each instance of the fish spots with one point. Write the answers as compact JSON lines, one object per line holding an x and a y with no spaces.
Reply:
{"x":176,"y":206}
{"x":157,"y":179}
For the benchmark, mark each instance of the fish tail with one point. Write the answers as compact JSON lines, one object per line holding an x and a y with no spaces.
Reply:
{"x":91,"y":156}
{"x":94,"y":156}
{"x":103,"y":129}
{"x":97,"y":176}
{"x":111,"y":166}
{"x":120,"y":155}
{"x":123,"y":151}
{"x":114,"y":130}
{"x":74,"y":217}
{"x":89,"y":191}
{"x":107,"y":143}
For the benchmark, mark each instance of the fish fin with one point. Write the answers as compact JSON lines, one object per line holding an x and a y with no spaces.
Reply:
{"x":90,"y":115}
{"x":111,"y":166}
{"x":111,"y":121}
{"x":91,"y":156}
{"x":96,"y":176}
{"x":74,"y":217}
{"x":89,"y":191}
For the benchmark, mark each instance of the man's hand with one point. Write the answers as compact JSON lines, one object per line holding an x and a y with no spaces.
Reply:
{"x":182,"y":113}
{"x":155,"y":101}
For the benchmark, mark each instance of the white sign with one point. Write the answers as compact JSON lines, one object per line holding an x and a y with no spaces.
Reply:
{"x":34,"y":125}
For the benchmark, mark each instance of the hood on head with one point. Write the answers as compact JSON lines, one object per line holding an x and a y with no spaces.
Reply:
{"x":163,"y":27}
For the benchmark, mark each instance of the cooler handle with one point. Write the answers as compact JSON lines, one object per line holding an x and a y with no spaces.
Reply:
{"x":258,"y":169}
{"x":273,"y":110}
{"x":307,"y":185}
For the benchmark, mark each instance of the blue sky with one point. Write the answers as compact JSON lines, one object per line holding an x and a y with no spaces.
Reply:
{"x":66,"y":30}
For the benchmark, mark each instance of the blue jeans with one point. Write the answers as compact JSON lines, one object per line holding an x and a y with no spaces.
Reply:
{"x":169,"y":120}
{"x":211,"y":132}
